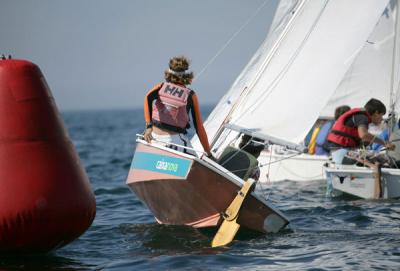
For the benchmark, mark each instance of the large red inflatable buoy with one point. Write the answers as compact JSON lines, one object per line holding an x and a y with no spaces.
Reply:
{"x":45,"y":197}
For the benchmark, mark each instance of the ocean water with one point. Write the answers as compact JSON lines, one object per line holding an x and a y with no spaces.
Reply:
{"x":324,"y":233}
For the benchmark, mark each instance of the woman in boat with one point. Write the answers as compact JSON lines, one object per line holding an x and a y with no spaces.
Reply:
{"x":167,"y":106}
{"x":351,"y":129}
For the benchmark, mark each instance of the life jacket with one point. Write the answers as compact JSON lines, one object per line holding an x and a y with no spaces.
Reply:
{"x":170,"y":107}
{"x":344,"y":135}
{"x":321,"y":138}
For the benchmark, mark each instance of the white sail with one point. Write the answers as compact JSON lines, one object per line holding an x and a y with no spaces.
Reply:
{"x":370,"y":75}
{"x":319,"y":45}
{"x":310,"y":47}
{"x":214,"y":121}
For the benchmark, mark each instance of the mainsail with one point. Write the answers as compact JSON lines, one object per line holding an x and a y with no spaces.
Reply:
{"x":311,"y":47}
{"x":239,"y":88}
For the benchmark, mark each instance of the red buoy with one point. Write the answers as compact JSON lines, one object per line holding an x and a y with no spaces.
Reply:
{"x":45,"y":197}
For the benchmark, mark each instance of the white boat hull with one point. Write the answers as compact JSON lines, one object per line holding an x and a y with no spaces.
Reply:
{"x":360,"y":182}
{"x":285,"y":166}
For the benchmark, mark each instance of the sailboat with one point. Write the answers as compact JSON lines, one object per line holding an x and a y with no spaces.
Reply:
{"x":276,"y":99}
{"x":318,"y":55}
{"x":183,"y":189}
{"x":370,"y":180}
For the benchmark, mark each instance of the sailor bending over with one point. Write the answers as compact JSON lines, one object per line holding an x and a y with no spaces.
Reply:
{"x":351,"y":130}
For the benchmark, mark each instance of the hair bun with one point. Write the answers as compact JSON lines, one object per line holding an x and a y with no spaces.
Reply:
{"x":178,"y":72}
{"x":179,"y":64}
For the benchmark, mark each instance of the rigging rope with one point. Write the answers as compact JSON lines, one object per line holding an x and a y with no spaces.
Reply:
{"x":272,"y":86}
{"x":230,"y":40}
{"x":268,"y":182}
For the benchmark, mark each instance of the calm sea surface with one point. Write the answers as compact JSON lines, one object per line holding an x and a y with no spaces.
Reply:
{"x":324,"y":234}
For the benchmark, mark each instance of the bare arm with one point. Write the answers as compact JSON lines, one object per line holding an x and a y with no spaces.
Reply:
{"x":148,"y":103}
{"x":368,"y":137}
{"x":201,"y":132}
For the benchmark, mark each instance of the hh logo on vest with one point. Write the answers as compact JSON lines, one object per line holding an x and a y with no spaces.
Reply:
{"x":170,"y":108}
{"x":174,"y":90}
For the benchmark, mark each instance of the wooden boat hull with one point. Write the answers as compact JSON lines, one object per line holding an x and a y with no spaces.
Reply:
{"x":361,"y":182}
{"x":181,"y":189}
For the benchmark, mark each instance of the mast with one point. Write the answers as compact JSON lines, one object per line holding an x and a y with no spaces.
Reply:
{"x":251,"y":84}
{"x":393,"y":86}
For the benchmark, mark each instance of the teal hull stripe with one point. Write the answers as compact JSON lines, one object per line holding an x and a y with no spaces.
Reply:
{"x":160,"y":163}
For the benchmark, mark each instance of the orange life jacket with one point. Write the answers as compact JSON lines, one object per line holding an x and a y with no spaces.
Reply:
{"x":344,"y":135}
{"x":170,"y":107}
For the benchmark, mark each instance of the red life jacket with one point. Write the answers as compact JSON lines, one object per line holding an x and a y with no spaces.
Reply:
{"x":344,"y":135}
{"x":170,"y":107}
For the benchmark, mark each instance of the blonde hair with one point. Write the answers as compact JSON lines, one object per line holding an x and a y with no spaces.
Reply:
{"x":177,"y":72}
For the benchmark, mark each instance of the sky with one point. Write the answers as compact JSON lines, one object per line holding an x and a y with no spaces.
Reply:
{"x":106,"y":54}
